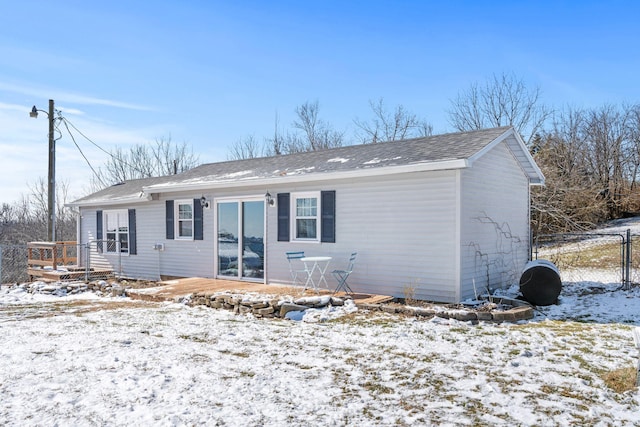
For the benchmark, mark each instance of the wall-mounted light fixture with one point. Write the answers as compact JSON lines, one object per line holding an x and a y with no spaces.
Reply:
{"x":204,"y":202}
{"x":270,"y":200}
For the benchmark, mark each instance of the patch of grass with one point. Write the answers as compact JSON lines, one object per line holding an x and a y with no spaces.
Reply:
{"x":620,"y":380}
{"x":378,"y":388}
{"x":304,"y":367}
{"x":604,"y":255}
{"x":200,"y":358}
{"x":201,"y":338}
{"x":244,"y":354}
{"x":410,"y":294}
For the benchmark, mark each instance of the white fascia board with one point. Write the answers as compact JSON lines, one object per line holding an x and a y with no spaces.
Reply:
{"x":309,"y":177}
{"x":111,"y":202}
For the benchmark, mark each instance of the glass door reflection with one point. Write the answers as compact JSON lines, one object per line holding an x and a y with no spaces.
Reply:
{"x":241,"y":237}
{"x":253,"y":240}
{"x":228,"y":239}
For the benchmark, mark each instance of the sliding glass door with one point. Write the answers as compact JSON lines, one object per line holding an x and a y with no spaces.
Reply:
{"x":240,"y":249}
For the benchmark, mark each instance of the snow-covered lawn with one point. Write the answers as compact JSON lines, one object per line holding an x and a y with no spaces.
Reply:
{"x":90,"y":360}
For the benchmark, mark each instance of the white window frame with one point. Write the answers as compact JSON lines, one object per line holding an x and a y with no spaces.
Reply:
{"x":295,"y":217}
{"x":122,"y":220}
{"x":178,"y":220}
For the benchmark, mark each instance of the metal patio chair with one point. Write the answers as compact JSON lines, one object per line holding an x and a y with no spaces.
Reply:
{"x":342,"y":276}
{"x":297,"y":267}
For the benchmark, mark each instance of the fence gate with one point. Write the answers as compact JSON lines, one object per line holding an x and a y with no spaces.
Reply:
{"x":591,"y":257}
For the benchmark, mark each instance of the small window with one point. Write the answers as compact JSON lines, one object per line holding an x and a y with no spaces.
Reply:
{"x":184,"y":219}
{"x":116,"y":231}
{"x":306,"y":216}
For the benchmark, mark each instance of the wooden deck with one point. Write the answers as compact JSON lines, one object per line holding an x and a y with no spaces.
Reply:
{"x":173,"y":289}
{"x":70,"y":273}
{"x":58,"y":261}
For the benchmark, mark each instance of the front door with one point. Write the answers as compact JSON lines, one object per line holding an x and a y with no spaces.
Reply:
{"x":240,"y":248}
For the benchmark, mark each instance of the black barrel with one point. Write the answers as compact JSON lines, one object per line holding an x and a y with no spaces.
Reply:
{"x":540,"y":282}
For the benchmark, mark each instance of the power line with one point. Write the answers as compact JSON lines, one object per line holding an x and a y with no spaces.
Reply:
{"x":117,"y":159}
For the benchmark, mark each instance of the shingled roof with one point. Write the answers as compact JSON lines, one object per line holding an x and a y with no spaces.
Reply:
{"x":447,"y":151}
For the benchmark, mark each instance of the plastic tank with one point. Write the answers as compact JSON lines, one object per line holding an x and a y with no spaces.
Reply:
{"x":540,"y":282}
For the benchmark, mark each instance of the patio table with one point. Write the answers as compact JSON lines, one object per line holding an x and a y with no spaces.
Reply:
{"x":313,"y":264}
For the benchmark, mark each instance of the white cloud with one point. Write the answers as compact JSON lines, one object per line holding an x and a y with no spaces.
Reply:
{"x":24,"y":149}
{"x":59,"y":95}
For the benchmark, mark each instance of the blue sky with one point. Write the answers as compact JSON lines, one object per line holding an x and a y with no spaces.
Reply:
{"x":209,"y":73}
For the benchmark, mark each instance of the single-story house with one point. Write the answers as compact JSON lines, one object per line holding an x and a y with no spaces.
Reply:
{"x":438,"y":218}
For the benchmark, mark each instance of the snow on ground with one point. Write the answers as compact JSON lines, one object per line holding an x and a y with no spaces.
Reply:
{"x":88,"y":359}
{"x":124,"y":362}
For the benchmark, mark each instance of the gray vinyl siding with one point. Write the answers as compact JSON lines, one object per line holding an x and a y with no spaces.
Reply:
{"x":401,"y":227}
{"x":181,"y":258}
{"x":494,"y":222}
{"x":420,"y":232}
{"x":184,"y":258}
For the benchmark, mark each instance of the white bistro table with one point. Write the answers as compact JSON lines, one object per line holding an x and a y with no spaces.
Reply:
{"x":313,"y":264}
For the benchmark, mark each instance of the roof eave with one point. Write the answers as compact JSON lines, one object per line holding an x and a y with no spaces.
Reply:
{"x":141,"y":198}
{"x":310,"y":177}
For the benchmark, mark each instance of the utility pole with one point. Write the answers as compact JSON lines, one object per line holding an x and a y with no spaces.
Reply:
{"x":51,"y":215}
{"x":51,"y":226}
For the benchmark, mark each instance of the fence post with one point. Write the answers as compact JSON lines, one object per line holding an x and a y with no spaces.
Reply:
{"x":86,"y":261}
{"x":627,"y":270}
{"x":1,"y":252}
{"x":119,"y":260}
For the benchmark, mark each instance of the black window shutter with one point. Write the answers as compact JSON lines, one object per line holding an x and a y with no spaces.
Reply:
{"x":197,"y":220}
{"x":283,"y":217}
{"x":169,"y":217}
{"x":328,"y":216}
{"x":133,"y":248}
{"x":99,"y":230}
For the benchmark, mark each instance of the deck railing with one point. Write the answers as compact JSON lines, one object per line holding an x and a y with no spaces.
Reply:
{"x":51,"y":254}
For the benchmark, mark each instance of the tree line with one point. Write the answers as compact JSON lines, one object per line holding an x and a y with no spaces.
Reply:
{"x":25,"y":220}
{"x":589,"y":156}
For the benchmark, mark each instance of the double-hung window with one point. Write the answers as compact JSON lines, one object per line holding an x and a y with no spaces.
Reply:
{"x":116,"y":231}
{"x":184,"y":219}
{"x":306,"y":224}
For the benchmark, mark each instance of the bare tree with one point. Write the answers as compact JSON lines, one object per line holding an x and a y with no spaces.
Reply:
{"x":36,"y":212}
{"x":317,"y":134}
{"x":246,"y":148}
{"x":145,"y":161}
{"x":591,"y":160}
{"x":391,"y":126}
{"x":503,"y":101}
{"x":634,"y":135}
{"x":569,"y":200}
{"x":26,"y":219}
{"x":608,"y":137}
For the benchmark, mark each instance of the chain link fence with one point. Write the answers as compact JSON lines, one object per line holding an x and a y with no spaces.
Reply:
{"x":591,"y":257}
{"x":634,"y":256}
{"x":63,"y":261}
{"x":580,"y":257}
{"x":13,"y":263}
